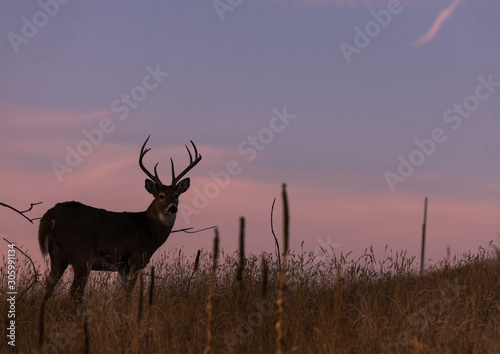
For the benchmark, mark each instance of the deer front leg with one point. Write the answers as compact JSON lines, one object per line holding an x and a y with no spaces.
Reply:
{"x":129,"y":278}
{"x":79,"y":282}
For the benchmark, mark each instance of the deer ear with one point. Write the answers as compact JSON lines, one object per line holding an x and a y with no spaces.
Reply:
{"x":183,"y":185}
{"x":151,"y":186}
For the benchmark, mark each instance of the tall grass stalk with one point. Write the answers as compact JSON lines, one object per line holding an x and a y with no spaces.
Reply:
{"x":211,"y":295}
{"x":280,"y":338}
{"x":241,"y":264}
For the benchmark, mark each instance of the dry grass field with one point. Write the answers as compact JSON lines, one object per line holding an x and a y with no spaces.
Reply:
{"x":332,"y":305}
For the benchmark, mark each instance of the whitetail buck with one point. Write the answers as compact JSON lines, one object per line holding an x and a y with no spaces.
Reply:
{"x":96,"y":239}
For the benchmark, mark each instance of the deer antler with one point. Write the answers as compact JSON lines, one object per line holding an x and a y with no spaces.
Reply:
{"x":197,"y":158}
{"x":154,"y":178}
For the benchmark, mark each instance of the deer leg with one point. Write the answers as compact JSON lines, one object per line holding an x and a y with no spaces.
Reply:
{"x":79,"y":282}
{"x":131,"y":281}
{"x":124,"y":277}
{"x":129,"y":278}
{"x":57,"y":267}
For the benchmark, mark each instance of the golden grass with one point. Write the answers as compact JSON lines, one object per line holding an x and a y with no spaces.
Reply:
{"x":335,"y":305}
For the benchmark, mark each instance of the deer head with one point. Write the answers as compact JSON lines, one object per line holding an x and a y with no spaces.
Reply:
{"x":166,"y":197}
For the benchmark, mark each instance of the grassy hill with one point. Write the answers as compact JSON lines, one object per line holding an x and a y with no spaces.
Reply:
{"x":330,"y":305}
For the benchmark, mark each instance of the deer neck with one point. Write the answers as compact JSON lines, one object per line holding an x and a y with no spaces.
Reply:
{"x":160,"y":224}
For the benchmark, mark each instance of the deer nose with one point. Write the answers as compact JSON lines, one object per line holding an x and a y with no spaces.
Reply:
{"x":172,"y":209}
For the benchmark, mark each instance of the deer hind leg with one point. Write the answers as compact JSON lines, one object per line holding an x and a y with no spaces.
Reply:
{"x":58,"y":265}
{"x":79,"y":282}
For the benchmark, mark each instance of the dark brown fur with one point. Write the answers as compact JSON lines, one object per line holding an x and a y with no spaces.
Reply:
{"x":96,"y":239}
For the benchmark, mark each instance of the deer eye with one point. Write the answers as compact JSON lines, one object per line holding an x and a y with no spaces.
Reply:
{"x":161,"y":196}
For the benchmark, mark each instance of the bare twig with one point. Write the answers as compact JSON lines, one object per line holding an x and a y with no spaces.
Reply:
{"x":153,"y":275}
{"x":24,"y":211}
{"x":35,"y":277}
{"x":186,"y":230}
{"x":274,"y":235}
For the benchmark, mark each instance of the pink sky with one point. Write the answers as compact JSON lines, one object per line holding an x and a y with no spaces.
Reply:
{"x":221,"y":80}
{"x":351,"y":211}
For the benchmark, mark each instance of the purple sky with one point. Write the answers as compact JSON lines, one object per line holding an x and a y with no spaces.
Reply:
{"x":362,"y":107}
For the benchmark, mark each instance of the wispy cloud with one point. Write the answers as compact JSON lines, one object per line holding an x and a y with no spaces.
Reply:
{"x":434,"y":29}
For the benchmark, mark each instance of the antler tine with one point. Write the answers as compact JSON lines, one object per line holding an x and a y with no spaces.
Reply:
{"x":156,"y":173}
{"x":173,"y":172}
{"x":192,"y":163}
{"x":195,"y":150}
{"x":190,"y":156}
{"x":154,"y":178}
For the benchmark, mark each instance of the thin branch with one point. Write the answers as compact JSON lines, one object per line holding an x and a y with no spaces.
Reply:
{"x":186,"y":230}
{"x":275,"y":238}
{"x":24,"y":211}
{"x":35,"y":277}
{"x":31,"y":207}
{"x":152,"y":275}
